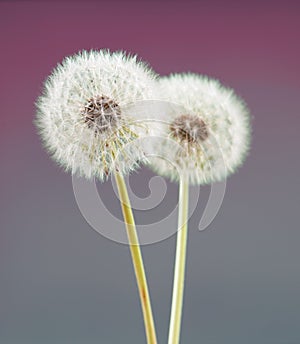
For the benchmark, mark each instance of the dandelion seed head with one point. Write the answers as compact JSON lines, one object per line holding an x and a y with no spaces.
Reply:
{"x":82,"y":114}
{"x":209,"y":139}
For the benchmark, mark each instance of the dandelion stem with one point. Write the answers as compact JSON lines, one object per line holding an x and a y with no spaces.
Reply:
{"x":137,"y":260}
{"x":179,"y":270}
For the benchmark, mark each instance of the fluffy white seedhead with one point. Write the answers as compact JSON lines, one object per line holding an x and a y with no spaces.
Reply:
{"x":206,"y":136}
{"x":83,"y":115}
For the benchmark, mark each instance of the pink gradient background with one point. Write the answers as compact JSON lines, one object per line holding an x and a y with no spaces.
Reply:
{"x":243,"y":276}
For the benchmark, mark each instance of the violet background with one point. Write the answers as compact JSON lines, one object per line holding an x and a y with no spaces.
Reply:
{"x":60,"y":281}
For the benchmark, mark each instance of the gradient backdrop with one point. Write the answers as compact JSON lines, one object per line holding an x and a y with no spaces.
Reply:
{"x":60,"y":281}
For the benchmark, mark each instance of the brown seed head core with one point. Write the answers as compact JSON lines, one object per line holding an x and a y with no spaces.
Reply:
{"x":101,"y":113}
{"x":189,"y":128}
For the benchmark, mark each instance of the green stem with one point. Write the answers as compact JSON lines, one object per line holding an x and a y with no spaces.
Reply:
{"x":179,"y":270}
{"x":137,"y":260}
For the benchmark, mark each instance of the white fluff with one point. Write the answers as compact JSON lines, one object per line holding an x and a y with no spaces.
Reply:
{"x":67,"y":90}
{"x":227,"y":122}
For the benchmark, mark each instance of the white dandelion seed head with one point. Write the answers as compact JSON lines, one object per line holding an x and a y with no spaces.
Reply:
{"x":210,"y":127}
{"x":83,"y":116}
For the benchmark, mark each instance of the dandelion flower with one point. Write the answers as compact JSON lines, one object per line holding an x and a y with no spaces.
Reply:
{"x":84,"y":120}
{"x":210,"y":129}
{"x":206,"y":138}
{"x":82,"y":115}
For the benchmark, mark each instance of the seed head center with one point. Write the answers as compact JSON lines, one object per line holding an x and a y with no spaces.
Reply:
{"x":101,"y":113}
{"x":189,"y":128}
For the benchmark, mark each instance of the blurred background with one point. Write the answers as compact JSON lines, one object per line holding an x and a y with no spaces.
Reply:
{"x":60,"y":281}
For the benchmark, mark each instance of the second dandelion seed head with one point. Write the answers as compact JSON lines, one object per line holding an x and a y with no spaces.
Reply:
{"x":206,"y":132}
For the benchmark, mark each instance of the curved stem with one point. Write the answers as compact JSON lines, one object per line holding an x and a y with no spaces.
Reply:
{"x":179,"y":270}
{"x":137,"y":260}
